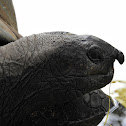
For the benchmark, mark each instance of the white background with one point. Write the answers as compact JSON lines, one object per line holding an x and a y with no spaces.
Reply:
{"x":105,"y":19}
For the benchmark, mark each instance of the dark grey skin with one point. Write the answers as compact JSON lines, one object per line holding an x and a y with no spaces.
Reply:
{"x":40,"y":72}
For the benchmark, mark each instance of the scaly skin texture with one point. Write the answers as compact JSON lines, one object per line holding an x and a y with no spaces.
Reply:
{"x":51,"y":69}
{"x":84,"y":111}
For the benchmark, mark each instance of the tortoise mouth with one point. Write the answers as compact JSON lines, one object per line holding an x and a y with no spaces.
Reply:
{"x":92,"y":82}
{"x":106,"y":78}
{"x":100,"y":80}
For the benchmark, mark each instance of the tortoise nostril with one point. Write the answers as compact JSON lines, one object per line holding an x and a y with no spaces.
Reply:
{"x":95,"y":54}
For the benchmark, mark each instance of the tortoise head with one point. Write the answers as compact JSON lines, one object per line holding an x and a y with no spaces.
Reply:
{"x":65,"y":67}
{"x":86,"y":64}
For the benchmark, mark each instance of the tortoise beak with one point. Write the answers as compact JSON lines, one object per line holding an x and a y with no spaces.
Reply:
{"x":119,"y":56}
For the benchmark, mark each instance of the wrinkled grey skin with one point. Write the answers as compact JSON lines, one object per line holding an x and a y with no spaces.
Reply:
{"x":52,"y":69}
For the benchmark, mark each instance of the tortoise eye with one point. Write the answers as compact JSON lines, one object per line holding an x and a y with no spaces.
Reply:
{"x":95,"y":54}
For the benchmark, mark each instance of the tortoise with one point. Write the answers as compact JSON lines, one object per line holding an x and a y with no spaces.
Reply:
{"x":54,"y":78}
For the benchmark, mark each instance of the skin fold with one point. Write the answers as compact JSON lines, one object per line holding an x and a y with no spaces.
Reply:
{"x":52,"y":70}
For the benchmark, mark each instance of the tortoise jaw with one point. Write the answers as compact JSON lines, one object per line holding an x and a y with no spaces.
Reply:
{"x":87,"y":121}
{"x":106,"y":78}
{"x":99,"y":81}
